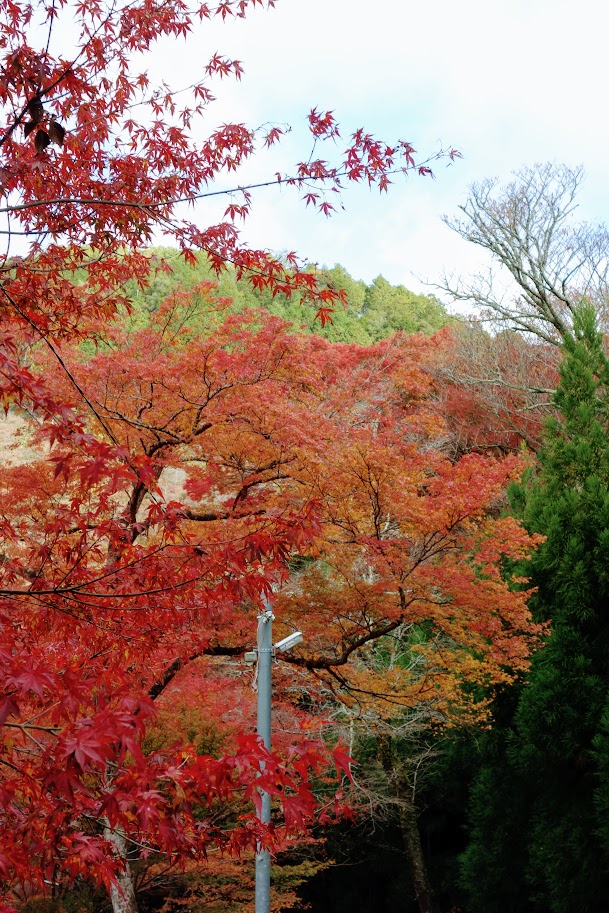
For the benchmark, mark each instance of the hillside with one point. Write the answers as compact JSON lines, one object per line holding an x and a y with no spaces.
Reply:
{"x":372,"y":312}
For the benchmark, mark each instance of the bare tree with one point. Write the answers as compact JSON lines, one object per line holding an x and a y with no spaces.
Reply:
{"x":545,"y":262}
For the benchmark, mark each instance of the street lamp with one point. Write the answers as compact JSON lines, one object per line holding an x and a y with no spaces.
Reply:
{"x":264,"y":656}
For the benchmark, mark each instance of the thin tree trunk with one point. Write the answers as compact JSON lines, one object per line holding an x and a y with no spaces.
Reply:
{"x":122,"y":893}
{"x":413,"y":849}
{"x":409,"y":826}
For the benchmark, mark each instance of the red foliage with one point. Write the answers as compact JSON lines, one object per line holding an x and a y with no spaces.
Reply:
{"x":109,"y":585}
{"x":112,"y":583}
{"x":495,"y":390}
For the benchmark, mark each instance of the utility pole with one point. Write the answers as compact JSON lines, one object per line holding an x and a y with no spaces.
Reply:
{"x":263,"y":655}
{"x":265,"y":659}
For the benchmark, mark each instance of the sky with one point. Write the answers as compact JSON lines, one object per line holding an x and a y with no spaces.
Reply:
{"x":506,"y":83}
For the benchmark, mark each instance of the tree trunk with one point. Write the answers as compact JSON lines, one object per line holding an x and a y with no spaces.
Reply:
{"x":122,"y":892}
{"x":413,"y":849}
{"x":411,"y":838}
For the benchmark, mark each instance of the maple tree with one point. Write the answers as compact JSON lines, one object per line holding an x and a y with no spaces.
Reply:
{"x":408,"y":622}
{"x":393,"y":511}
{"x":108,"y":589}
{"x":496,"y":389}
{"x":113,"y":582}
{"x":110,"y":586}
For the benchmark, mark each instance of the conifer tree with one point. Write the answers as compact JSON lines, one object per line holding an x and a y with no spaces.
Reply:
{"x":539,"y":838}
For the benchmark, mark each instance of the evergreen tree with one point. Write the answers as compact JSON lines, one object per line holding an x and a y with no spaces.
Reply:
{"x":389,"y":308}
{"x":539,"y":832}
{"x":371,"y":313}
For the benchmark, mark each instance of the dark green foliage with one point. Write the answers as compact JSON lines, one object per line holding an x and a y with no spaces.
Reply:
{"x":491,"y":867}
{"x":539,"y":838}
{"x":368,"y":874}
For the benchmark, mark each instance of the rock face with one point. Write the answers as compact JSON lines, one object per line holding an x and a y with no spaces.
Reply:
{"x":15,"y":441}
{"x":172,"y":484}
{"x":16,"y":447}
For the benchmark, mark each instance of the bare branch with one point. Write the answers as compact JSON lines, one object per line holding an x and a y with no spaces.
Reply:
{"x":548,"y":263}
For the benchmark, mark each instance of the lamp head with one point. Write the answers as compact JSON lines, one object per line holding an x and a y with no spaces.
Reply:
{"x":288,"y":642}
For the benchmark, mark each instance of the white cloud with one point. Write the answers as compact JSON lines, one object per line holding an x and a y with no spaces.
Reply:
{"x":508,"y":82}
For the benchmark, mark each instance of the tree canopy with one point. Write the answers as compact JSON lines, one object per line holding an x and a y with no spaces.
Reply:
{"x":368,"y":314}
{"x":190,"y":455}
{"x":252,"y":445}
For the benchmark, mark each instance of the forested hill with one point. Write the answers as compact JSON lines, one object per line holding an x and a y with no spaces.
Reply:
{"x":373,"y":311}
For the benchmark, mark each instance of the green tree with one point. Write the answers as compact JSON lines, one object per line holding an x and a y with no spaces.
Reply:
{"x":539,"y":837}
{"x":390,"y":308}
{"x":371,"y":313}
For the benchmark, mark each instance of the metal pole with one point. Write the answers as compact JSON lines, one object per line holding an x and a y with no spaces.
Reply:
{"x":265,"y":658}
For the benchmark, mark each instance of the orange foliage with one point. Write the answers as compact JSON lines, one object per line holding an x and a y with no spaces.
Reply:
{"x":181,"y":469}
{"x":195,"y":467}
